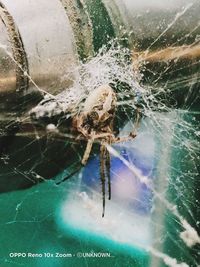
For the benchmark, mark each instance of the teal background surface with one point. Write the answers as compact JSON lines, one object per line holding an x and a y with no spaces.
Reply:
{"x":29,"y":223}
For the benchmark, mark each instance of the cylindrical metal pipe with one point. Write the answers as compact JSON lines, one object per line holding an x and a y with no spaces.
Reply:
{"x":37,"y":40}
{"x":43,"y":38}
{"x":7,"y":66}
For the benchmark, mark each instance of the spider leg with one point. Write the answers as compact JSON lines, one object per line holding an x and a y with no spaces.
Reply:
{"x":108,"y":173}
{"x":136,"y":124}
{"x":103,"y":135}
{"x":87,"y":151}
{"x":70,"y":175}
{"x":102,"y":173}
{"x":138,"y":118}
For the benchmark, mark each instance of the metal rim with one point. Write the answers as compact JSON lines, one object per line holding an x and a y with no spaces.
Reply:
{"x":18,"y":50}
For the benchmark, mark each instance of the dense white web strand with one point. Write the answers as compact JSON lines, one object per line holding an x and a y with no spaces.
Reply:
{"x":107,"y":67}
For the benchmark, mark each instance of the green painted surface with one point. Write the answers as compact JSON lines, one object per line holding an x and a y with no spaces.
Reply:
{"x":184,"y":189}
{"x":29,"y":223}
{"x":103,"y":30}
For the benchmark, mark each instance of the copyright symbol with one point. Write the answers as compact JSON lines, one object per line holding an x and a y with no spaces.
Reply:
{"x":79,"y":255}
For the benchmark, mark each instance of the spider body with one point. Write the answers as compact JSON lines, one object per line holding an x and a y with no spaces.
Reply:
{"x":98,"y":113}
{"x":95,"y":123}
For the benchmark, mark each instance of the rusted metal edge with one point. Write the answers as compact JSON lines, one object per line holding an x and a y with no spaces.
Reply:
{"x":82,"y":27}
{"x":18,"y":50}
{"x":184,"y":52}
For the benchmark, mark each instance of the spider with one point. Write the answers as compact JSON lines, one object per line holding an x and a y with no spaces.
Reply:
{"x":95,"y":124}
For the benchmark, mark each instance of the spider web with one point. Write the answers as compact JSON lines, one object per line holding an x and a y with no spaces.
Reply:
{"x":155,"y":202}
